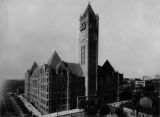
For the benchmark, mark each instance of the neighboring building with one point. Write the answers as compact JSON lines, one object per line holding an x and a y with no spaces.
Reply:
{"x":138,"y":87}
{"x":58,"y":85}
{"x":26,"y":92}
{"x":145,"y":99}
{"x":27,"y":80}
{"x":108,"y":83}
{"x":146,"y":107}
{"x":155,"y":82}
{"x":140,"y":83}
{"x":34,"y":78}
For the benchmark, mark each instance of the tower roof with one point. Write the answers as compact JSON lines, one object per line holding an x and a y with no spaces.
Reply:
{"x":54,"y":60}
{"x":89,"y":10}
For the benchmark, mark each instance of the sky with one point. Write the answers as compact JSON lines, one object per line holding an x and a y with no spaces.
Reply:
{"x":31,"y":30}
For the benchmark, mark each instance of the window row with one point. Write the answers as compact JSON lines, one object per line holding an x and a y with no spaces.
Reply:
{"x":44,"y":88}
{"x":33,"y":96}
{"x":43,"y":108}
{"x":44,"y":79}
{"x":45,"y":102}
{"x":34,"y":83}
{"x":34,"y":91}
{"x":83,"y":54}
{"x":45,"y":95}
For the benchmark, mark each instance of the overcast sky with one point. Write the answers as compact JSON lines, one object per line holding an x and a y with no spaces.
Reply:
{"x":31,"y":30}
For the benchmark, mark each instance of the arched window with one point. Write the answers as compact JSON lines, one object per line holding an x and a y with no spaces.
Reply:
{"x":83,"y":54}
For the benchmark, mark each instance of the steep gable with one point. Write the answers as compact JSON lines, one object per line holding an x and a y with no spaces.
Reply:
{"x":107,"y":66}
{"x":33,"y":68}
{"x":54,"y":60}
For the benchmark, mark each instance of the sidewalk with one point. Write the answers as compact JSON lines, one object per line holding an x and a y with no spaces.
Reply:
{"x":30,"y":107}
{"x":17,"y":107}
{"x":68,"y":113}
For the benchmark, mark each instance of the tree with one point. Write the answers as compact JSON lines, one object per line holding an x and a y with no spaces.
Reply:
{"x":104,"y":110}
{"x":120,"y":112}
{"x":90,"y":108}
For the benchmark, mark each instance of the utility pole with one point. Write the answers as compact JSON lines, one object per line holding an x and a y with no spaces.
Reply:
{"x":118,"y":88}
{"x":68,"y":90}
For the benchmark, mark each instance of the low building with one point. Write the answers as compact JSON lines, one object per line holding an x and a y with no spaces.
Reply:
{"x":146,"y":107}
{"x":109,"y":81}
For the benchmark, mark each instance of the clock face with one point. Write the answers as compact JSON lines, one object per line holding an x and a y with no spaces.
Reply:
{"x":83,"y":25}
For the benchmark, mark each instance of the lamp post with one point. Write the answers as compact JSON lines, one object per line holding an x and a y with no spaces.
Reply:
{"x":68,"y":92}
{"x":118,"y":89}
{"x":56,"y":103}
{"x":77,"y":102}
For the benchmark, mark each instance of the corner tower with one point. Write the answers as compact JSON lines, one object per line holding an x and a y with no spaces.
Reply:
{"x":88,"y":43}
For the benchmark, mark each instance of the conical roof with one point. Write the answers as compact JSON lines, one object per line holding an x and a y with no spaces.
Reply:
{"x":54,"y":60}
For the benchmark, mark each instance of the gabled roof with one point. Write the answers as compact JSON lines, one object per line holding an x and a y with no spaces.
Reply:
{"x":107,"y":66}
{"x":54,"y":60}
{"x":75,"y":69}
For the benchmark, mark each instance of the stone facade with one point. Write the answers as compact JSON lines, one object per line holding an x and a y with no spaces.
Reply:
{"x":57,"y":85}
{"x":54,"y":86}
{"x":108,"y":83}
{"x":88,"y":42}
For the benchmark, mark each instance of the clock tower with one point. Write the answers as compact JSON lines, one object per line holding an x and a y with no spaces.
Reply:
{"x":88,"y":45}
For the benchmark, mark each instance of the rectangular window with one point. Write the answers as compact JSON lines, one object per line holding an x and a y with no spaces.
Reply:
{"x":83,"y":54}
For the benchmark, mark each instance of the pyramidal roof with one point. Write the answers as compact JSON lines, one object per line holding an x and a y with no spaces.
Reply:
{"x":33,"y":68}
{"x":89,"y":10}
{"x":107,"y":65}
{"x":36,"y":72}
{"x":54,"y":60}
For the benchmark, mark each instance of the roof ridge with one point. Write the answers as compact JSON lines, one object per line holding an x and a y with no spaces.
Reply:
{"x":72,"y":62}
